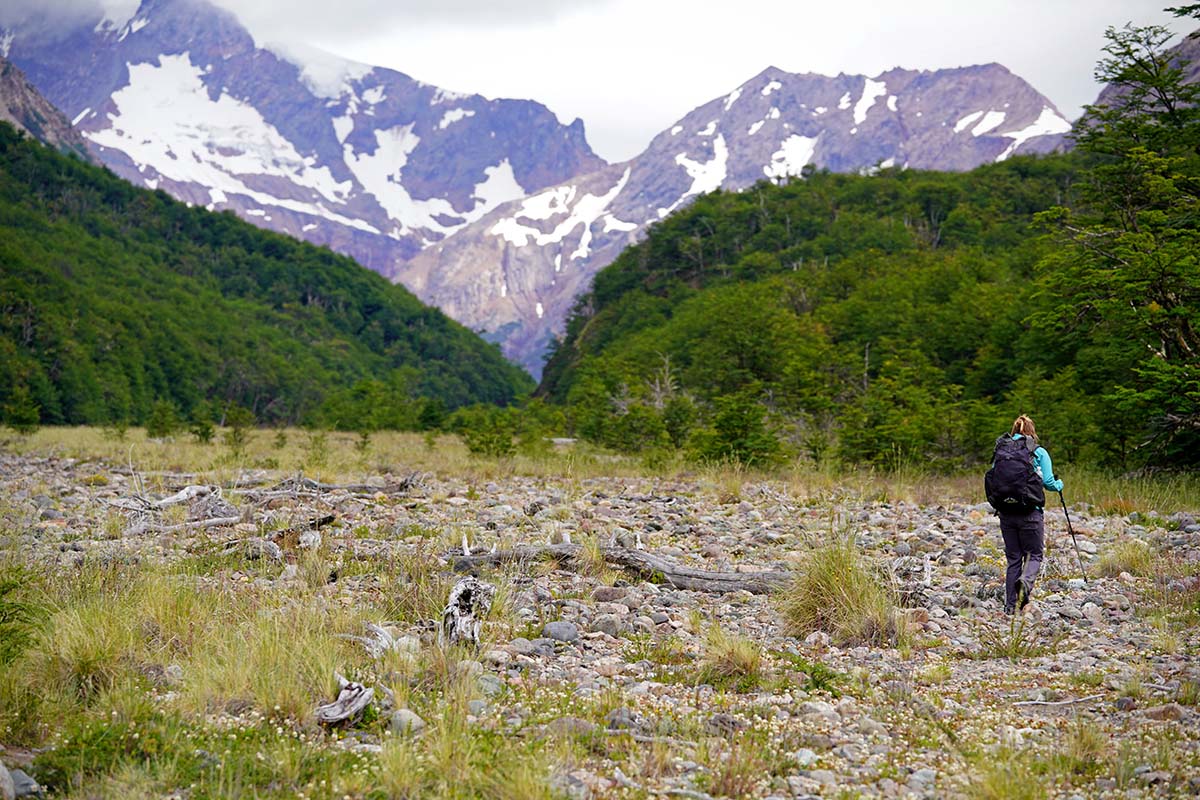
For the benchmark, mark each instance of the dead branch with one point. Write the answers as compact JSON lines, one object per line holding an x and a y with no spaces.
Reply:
{"x":215,"y":522}
{"x":647,"y":565}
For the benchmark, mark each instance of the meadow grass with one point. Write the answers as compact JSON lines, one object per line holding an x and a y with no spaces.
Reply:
{"x":338,"y":456}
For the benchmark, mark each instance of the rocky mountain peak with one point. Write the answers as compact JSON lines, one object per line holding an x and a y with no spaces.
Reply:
{"x":516,"y":272}
{"x":177,"y":94}
{"x":22,"y":106}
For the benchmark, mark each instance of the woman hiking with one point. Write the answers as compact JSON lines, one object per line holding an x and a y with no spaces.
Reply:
{"x":1021,"y":472}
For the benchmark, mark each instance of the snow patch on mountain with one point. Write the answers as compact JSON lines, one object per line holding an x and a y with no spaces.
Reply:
{"x":116,"y":14}
{"x":992,"y":119}
{"x":967,"y":121}
{"x":6,"y":41}
{"x":499,"y":186}
{"x":133,"y":27}
{"x":454,"y":115}
{"x":753,"y":129}
{"x":586,"y":211}
{"x":380,"y":174}
{"x":1048,"y":122}
{"x":793,"y":154}
{"x":166,"y":121}
{"x":709,"y":130}
{"x":732,"y":98}
{"x":771,"y":87}
{"x":844,"y":102}
{"x":342,"y":127}
{"x":891,"y":102}
{"x":706,"y":175}
{"x":872,"y":91}
{"x":325,"y":74}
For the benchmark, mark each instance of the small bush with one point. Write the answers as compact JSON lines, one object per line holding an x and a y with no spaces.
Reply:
{"x":730,"y":661}
{"x":1007,"y":774}
{"x":1015,"y":641}
{"x":163,"y":421}
{"x":21,"y":413}
{"x":838,"y":591}
{"x":1130,"y":556}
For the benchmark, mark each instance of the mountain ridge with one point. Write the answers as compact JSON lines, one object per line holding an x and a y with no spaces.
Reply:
{"x":517,"y":272}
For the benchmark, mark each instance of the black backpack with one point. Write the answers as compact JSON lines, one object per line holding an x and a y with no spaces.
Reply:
{"x":1012,"y":484}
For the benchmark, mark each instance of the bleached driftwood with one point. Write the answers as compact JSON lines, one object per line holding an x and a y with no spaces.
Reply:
{"x":306,"y":487}
{"x":350,"y":702}
{"x":379,"y":640}
{"x":184,"y":495}
{"x":146,"y":526}
{"x":646,"y":565}
{"x":469,"y":603}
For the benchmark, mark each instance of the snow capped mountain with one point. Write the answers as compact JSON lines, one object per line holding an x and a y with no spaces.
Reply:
{"x":177,"y":95}
{"x":516,"y":272}
{"x":489,"y":209}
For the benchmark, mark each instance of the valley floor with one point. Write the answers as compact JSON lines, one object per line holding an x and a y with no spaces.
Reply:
{"x":147,"y":652}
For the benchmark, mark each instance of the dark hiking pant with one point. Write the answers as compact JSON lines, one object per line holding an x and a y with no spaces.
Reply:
{"x":1022,"y":534}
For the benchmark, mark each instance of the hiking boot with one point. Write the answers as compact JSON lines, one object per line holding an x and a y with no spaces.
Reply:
{"x":1009,"y":611}
{"x":1023,"y":592}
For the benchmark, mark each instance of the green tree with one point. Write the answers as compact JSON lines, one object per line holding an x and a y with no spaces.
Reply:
{"x":163,"y":421}
{"x":1128,"y":269}
{"x":238,"y":421}
{"x":21,"y":412}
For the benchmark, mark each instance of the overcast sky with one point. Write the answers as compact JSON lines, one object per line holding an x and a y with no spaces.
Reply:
{"x":631,"y":68}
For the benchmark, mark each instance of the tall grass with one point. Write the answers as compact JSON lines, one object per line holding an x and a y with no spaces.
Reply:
{"x":838,"y":590}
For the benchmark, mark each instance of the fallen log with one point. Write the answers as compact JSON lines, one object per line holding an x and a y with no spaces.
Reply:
{"x":200,"y":524}
{"x":639,"y":562}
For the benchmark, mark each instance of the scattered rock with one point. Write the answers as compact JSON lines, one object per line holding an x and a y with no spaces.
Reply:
{"x":405,"y":721}
{"x":561,"y":631}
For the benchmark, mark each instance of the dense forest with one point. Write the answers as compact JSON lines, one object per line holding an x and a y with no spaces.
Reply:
{"x":906,"y":317}
{"x":115,"y":299}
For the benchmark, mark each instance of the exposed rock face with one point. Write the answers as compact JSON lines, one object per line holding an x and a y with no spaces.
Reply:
{"x":24,"y":107}
{"x":516,"y":273}
{"x":376,"y":165}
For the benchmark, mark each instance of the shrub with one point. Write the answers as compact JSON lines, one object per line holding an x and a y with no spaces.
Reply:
{"x":1130,"y":556}
{"x":163,"y":420}
{"x":486,"y":430}
{"x":730,"y":661}
{"x":21,"y":412}
{"x":838,"y":591}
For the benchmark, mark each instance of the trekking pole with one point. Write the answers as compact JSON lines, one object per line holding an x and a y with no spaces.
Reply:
{"x":1074,"y":541}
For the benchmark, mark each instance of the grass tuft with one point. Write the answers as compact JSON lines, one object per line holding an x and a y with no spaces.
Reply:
{"x":839,"y":591}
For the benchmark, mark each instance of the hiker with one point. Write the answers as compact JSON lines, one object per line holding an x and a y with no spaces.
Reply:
{"x":1021,"y":472}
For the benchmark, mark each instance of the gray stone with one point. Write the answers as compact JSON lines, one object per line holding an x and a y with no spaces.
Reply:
{"x":23,"y":785}
{"x":489,"y":684}
{"x":7,"y":790}
{"x":477,"y":707}
{"x":523,"y":647}
{"x":805,"y":757}
{"x":923,"y":777}
{"x":609,"y":594}
{"x":561,"y":631}
{"x":624,"y":719}
{"x":406,"y":721}
{"x":607,"y":623}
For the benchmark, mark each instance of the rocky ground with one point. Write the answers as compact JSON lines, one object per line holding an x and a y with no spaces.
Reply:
{"x":1092,"y":692}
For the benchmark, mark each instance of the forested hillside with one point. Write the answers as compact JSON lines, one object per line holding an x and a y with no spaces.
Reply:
{"x":114,"y":298}
{"x":907,"y":317}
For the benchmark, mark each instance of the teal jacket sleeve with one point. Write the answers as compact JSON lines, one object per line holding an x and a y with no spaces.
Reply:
{"x":1041,"y":460}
